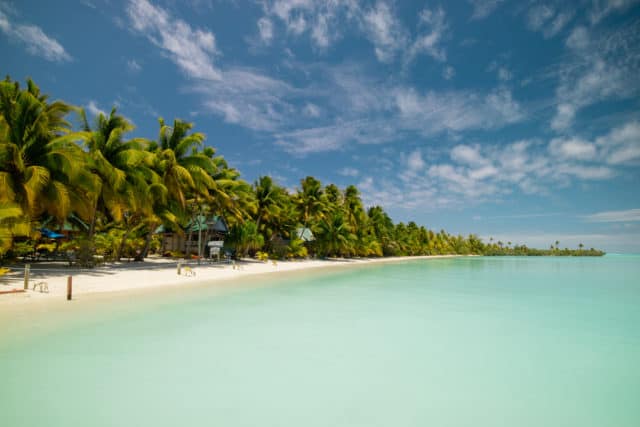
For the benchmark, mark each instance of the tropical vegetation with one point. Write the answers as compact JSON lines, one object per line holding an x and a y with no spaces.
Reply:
{"x":111,"y":192}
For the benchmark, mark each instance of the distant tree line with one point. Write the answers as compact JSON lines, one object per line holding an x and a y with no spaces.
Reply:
{"x":123,"y":189}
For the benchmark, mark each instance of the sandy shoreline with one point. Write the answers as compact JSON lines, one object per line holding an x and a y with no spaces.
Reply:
{"x":158,"y":274}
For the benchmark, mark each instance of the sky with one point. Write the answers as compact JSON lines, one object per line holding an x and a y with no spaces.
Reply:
{"x":517,"y":120}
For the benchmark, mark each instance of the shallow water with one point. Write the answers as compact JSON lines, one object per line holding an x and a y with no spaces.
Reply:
{"x":443,"y":342}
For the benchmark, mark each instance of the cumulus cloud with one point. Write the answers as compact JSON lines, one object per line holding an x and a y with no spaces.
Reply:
{"x":621,"y":145}
{"x":572,"y":148}
{"x":475,"y":173}
{"x":415,"y":161}
{"x":34,"y":39}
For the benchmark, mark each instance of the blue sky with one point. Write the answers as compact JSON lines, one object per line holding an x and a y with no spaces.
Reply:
{"x":518,"y":120}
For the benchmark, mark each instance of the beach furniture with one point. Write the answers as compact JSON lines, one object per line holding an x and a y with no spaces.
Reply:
{"x":44,"y":286}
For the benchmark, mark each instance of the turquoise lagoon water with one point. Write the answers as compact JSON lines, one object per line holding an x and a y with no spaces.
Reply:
{"x":446,"y":342}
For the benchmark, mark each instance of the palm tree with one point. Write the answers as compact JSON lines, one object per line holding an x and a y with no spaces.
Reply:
{"x":122,"y":167}
{"x":184,"y":172}
{"x":183,"y":168}
{"x":41,"y":166}
{"x":269,"y":198}
{"x":311,"y":201}
{"x":333,"y":236}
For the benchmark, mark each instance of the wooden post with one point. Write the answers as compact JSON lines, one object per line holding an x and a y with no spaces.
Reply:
{"x":69,"y":288}
{"x":179,"y":267}
{"x":27,"y":269}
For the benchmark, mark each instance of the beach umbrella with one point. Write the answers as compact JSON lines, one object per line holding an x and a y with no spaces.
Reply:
{"x":49,"y":234}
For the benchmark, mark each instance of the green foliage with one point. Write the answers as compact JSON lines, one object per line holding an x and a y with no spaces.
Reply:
{"x":22,"y":249}
{"x":46,"y":247}
{"x":262,"y":256}
{"x":125,"y":188}
{"x":244,"y":238}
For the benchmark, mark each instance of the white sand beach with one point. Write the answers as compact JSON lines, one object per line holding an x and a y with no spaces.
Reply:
{"x":156,"y":273}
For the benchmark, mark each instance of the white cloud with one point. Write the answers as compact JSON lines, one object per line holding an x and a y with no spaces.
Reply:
{"x":334,"y":137}
{"x":448,"y":73}
{"x":265,"y":28}
{"x":93,"y":108}
{"x":602,"y":66}
{"x":385,"y":31}
{"x":622,"y":144}
{"x":434,"y":25}
{"x":603,"y":8}
{"x":469,"y":155}
{"x":629,"y":215}
{"x":311,"y":110}
{"x":477,"y":173}
{"x":133,"y":66}
{"x":504,"y":74}
{"x":35,"y":40}
{"x":483,"y":8}
{"x":572,"y":148}
{"x":248,"y":98}
{"x":351,"y":172}
{"x":578,"y":39}
{"x":319,"y":17}
{"x":192,"y":49}
{"x":565,"y":113}
{"x":548,"y":20}
{"x":435,"y":112}
{"x":415,"y":162}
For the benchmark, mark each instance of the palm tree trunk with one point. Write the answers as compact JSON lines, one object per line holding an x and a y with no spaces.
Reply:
{"x":122,"y":243}
{"x":147,"y":243}
{"x":187,"y":246}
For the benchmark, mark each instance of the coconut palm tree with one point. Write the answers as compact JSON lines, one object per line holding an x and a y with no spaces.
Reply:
{"x":270,"y":201}
{"x":183,"y":168}
{"x":310,"y":201}
{"x":122,"y":167}
{"x":42,"y":169}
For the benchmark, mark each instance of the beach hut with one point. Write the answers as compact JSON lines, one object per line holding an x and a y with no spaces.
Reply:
{"x":200,"y":229}
{"x":68,"y":229}
{"x":305,"y":234}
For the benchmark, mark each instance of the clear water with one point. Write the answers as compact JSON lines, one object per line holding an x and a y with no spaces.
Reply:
{"x":448,"y":342}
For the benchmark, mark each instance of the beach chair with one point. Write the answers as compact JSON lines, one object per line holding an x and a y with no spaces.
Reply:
{"x":44,"y":286}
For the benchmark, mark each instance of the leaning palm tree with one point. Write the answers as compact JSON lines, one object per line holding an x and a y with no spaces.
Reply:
{"x":41,"y":165}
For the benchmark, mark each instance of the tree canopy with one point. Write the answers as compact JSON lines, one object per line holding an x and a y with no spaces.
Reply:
{"x":124,"y":188}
